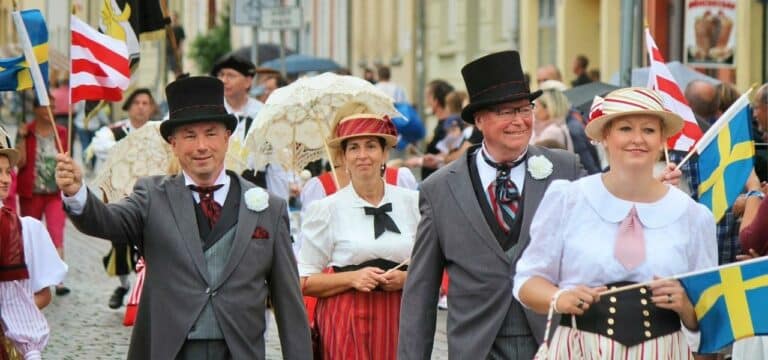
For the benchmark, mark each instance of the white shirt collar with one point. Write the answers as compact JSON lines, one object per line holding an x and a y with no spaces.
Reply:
{"x":487,"y":172}
{"x":219,"y":195}
{"x":359,"y":202}
{"x":612,"y":209}
{"x":251,"y":107}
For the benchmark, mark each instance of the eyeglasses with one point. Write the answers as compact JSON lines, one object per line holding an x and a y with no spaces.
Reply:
{"x":524,"y":111}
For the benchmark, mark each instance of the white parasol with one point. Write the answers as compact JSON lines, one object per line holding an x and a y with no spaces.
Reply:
{"x":294,"y":124}
{"x":143,"y":152}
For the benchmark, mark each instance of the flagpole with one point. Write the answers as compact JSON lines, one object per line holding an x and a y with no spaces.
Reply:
{"x":69,"y":85}
{"x":171,"y":38}
{"x":684,"y":275}
{"x":34,"y":71}
{"x":717,"y":126}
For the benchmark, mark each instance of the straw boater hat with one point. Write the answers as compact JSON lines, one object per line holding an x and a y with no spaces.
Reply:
{"x":630,"y":101}
{"x":364,"y":125}
{"x":6,"y":149}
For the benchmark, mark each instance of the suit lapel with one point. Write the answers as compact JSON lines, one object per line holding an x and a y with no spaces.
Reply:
{"x":461,"y":188}
{"x":184,"y":213}
{"x":246,"y":223}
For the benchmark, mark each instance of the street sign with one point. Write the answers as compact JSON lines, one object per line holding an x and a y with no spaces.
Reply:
{"x":248,"y":12}
{"x":281,"y":18}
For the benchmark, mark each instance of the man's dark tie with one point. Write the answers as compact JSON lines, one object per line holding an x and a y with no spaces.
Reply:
{"x":505,"y":198}
{"x":381,"y":220}
{"x":211,"y":209}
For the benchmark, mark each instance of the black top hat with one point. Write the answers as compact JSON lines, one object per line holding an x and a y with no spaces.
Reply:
{"x":494,"y":79}
{"x":134,"y":94}
{"x":195,"y":99}
{"x":238,"y":63}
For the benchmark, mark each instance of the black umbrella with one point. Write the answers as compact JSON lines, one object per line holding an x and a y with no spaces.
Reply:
{"x":266,"y":52}
{"x":581,"y":96}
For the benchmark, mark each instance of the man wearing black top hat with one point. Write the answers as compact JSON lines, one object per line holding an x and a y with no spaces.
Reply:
{"x":215,"y":246}
{"x":475,"y":215}
{"x":237,"y":75}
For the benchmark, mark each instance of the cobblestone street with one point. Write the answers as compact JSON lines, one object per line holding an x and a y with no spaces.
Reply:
{"x":83,"y":327}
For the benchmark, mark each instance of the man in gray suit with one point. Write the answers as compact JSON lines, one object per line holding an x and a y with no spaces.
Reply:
{"x":475,"y":215}
{"x":215,"y":246}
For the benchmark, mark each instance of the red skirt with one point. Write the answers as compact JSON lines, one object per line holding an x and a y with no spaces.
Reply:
{"x":357,"y":325}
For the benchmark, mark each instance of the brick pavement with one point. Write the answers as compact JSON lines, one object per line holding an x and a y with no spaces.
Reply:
{"x":83,"y":327}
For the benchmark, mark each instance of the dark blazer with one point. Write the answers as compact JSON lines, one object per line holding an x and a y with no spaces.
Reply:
{"x":454,"y":234}
{"x":159,"y":218}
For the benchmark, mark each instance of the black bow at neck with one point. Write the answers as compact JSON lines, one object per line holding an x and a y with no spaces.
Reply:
{"x":381,"y":220}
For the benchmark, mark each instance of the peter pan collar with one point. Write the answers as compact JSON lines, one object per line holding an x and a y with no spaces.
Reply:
{"x":612,"y":209}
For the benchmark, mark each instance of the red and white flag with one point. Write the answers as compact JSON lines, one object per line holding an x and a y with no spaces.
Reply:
{"x":100,"y":68}
{"x":661,"y":80}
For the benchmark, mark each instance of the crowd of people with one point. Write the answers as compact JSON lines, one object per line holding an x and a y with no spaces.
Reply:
{"x":522,"y":205}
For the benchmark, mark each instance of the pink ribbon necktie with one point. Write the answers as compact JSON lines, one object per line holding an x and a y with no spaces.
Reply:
{"x":630,"y":241}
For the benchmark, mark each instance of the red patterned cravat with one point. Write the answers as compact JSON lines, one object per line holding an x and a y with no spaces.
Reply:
{"x":211,"y":209}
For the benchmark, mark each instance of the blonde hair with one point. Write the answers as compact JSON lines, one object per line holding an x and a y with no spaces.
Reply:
{"x":556,"y":103}
{"x":454,"y":101}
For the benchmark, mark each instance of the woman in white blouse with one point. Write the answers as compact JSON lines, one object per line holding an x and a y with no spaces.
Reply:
{"x":363,"y":231}
{"x":616,"y":228}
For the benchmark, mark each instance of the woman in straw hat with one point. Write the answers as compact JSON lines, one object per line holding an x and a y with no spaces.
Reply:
{"x":616,"y":228}
{"x":29,"y":265}
{"x":328,"y":183}
{"x":364,"y":231}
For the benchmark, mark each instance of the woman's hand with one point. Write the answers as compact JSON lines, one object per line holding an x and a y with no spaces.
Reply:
{"x":577,"y":300}
{"x":671,"y":175}
{"x":751,"y":254}
{"x":367,"y":279}
{"x":669,"y":294}
{"x":395,"y":280}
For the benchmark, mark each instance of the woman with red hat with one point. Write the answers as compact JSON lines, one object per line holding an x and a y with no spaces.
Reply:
{"x":612,"y":229}
{"x":364,"y":231}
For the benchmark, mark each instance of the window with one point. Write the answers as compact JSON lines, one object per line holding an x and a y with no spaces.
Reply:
{"x":547,"y":32}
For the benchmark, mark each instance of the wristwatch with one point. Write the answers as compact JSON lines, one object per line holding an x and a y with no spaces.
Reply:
{"x":756,"y":193}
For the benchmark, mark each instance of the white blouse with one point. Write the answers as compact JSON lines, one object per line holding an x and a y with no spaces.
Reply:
{"x":43,"y":262}
{"x":574,"y":231}
{"x":337,"y":232}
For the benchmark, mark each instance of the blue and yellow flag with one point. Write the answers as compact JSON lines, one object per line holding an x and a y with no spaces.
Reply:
{"x":731,"y":302}
{"x":726,"y":161}
{"x":15,"y":74}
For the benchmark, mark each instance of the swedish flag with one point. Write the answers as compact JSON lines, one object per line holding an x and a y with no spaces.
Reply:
{"x":730,"y":302}
{"x":726,"y":162}
{"x":14,"y":72}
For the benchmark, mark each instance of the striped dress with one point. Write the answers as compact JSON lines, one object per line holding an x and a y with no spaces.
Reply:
{"x":569,"y":343}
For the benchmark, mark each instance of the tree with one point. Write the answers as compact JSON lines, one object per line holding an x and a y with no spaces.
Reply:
{"x":207,"y":48}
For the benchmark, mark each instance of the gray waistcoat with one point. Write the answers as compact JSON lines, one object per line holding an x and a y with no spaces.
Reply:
{"x":206,"y":326}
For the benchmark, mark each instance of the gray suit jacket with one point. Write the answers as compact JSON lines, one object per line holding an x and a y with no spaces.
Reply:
{"x":454,"y":234}
{"x":159,"y":218}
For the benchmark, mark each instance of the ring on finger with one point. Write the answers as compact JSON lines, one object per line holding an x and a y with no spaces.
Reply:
{"x":669,"y":298}
{"x":580,"y":304}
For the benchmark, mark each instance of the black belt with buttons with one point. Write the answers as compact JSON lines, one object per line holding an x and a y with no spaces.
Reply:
{"x":628,"y":317}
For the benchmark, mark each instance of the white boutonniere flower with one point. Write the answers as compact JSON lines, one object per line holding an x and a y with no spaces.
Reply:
{"x":256,"y":199}
{"x":540,"y":167}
